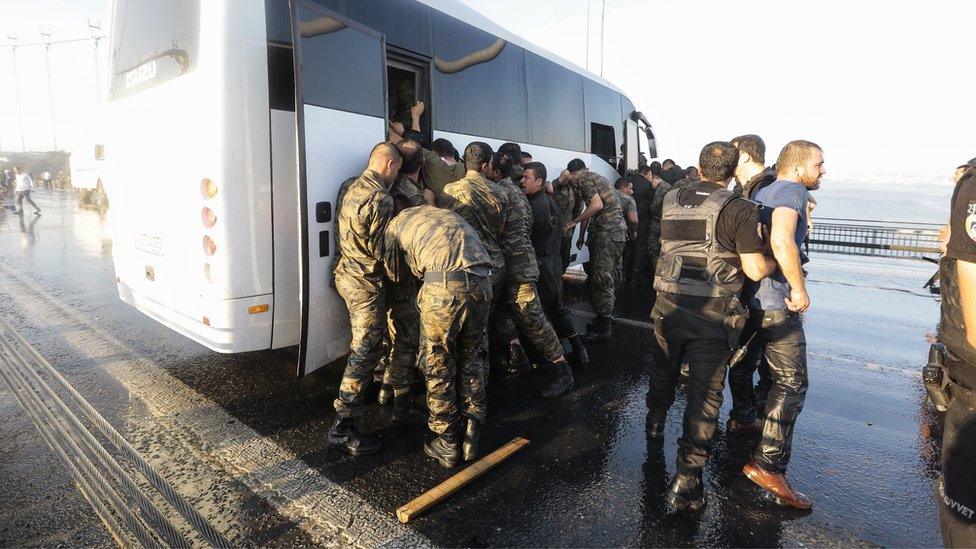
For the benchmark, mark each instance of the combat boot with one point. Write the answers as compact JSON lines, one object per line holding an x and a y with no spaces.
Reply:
{"x":563,"y":382}
{"x":385,"y":396}
{"x":472,"y":435}
{"x":403,"y":412}
{"x":444,"y":448}
{"x":579,"y":354}
{"x":686,"y":493}
{"x":655,"y":425}
{"x":601,"y":330}
{"x":344,"y":436}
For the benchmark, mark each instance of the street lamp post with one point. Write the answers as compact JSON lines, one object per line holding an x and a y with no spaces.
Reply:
{"x":46,"y":39}
{"x":20,"y":114}
{"x":94,"y":26}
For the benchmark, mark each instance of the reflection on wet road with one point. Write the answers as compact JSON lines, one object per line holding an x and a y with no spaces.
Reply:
{"x":863,"y":448}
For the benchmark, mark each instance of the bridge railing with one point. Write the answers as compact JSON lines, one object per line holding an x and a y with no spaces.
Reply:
{"x":871,"y":237}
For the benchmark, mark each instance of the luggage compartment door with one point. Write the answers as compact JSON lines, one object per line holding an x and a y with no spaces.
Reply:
{"x":340,"y":99}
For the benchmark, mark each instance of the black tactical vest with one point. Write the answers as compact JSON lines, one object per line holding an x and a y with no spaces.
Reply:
{"x":952,"y":330}
{"x":692,"y":263}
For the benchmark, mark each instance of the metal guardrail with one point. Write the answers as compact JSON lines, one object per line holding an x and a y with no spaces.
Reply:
{"x":871,"y":237}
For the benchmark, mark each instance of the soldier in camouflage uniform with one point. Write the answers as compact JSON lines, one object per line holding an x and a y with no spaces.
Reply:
{"x":567,"y":200}
{"x":624,"y":188}
{"x":440,"y":248}
{"x":365,"y":210}
{"x":522,"y":271}
{"x":607,"y":235}
{"x":483,"y":203}
{"x":403,"y":320}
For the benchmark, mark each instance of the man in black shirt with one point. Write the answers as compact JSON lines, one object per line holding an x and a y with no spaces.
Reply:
{"x":697,"y":314}
{"x":547,"y":242}
{"x":640,"y":273}
{"x":956,"y":490}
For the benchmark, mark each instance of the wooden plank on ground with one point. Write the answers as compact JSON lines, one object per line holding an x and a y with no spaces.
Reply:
{"x":443,"y":490}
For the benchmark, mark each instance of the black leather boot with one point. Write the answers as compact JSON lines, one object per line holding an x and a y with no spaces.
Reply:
{"x":655,"y":425}
{"x":562,"y":383}
{"x":385,"y":395}
{"x":403,"y":412}
{"x":344,"y":436}
{"x":579,"y":354}
{"x":472,"y":435}
{"x":444,"y":448}
{"x":600,"y":331}
{"x":686,"y":493}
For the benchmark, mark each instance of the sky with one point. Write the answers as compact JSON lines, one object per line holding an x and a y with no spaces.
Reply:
{"x":883,"y":86}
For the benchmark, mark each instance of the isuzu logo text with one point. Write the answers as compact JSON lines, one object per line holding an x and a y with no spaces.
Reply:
{"x":140,"y":74}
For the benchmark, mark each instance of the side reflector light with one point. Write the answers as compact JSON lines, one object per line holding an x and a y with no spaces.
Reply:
{"x":208,"y":218}
{"x":209,"y":247}
{"x":208,"y":188}
{"x":206,"y":321}
{"x":255,"y":309}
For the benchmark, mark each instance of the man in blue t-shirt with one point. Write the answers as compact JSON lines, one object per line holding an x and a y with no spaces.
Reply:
{"x":777,"y":303}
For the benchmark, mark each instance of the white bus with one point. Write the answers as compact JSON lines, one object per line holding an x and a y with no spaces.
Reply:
{"x":222,"y":190}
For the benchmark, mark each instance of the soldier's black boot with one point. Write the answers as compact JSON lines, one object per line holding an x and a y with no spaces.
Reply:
{"x":472,"y":435}
{"x":579,"y":355}
{"x":655,"y":425}
{"x":600,"y":331}
{"x":344,"y":436}
{"x":563,"y":382}
{"x":444,"y":448}
{"x":403,"y":412}
{"x":385,"y":395}
{"x":686,"y":493}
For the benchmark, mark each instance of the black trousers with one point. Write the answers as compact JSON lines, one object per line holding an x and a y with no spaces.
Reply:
{"x":680,"y":336}
{"x":550,"y":289}
{"x":954,"y":489}
{"x":779,"y":350}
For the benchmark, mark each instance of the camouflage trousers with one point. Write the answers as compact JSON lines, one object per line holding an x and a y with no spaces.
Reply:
{"x":522,"y":299}
{"x":366,"y":300}
{"x":454,"y":350}
{"x":404,"y":330}
{"x":605,"y":250}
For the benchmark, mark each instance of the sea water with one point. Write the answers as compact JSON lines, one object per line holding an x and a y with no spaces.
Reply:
{"x":877,"y":200}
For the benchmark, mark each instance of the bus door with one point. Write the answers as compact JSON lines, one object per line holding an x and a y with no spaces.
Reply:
{"x":340,"y":98}
{"x":407,"y":77}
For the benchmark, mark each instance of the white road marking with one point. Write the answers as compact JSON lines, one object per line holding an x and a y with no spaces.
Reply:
{"x":320,"y":507}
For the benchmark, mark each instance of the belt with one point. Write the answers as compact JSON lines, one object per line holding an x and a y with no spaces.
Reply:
{"x":451,"y":276}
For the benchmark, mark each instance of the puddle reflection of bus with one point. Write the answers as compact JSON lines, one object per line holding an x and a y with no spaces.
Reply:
{"x":233,"y":123}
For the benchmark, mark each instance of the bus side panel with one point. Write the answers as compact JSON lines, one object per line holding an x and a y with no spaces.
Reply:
{"x":336,"y":146}
{"x":284,"y":177}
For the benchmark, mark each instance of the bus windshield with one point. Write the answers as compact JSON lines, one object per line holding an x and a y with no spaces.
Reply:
{"x":152,"y":42}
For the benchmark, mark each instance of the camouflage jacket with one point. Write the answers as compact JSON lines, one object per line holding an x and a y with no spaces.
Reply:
{"x":568,"y":202}
{"x":363,"y":214}
{"x":609,"y":220}
{"x":406,"y":193}
{"x":426,"y":239}
{"x":517,"y":238}
{"x":482,"y":203}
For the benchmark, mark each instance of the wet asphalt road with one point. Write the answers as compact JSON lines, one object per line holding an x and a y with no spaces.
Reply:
{"x":863,"y":447}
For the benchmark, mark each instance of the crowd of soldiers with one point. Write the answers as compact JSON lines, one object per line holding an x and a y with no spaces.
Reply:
{"x":449,"y":262}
